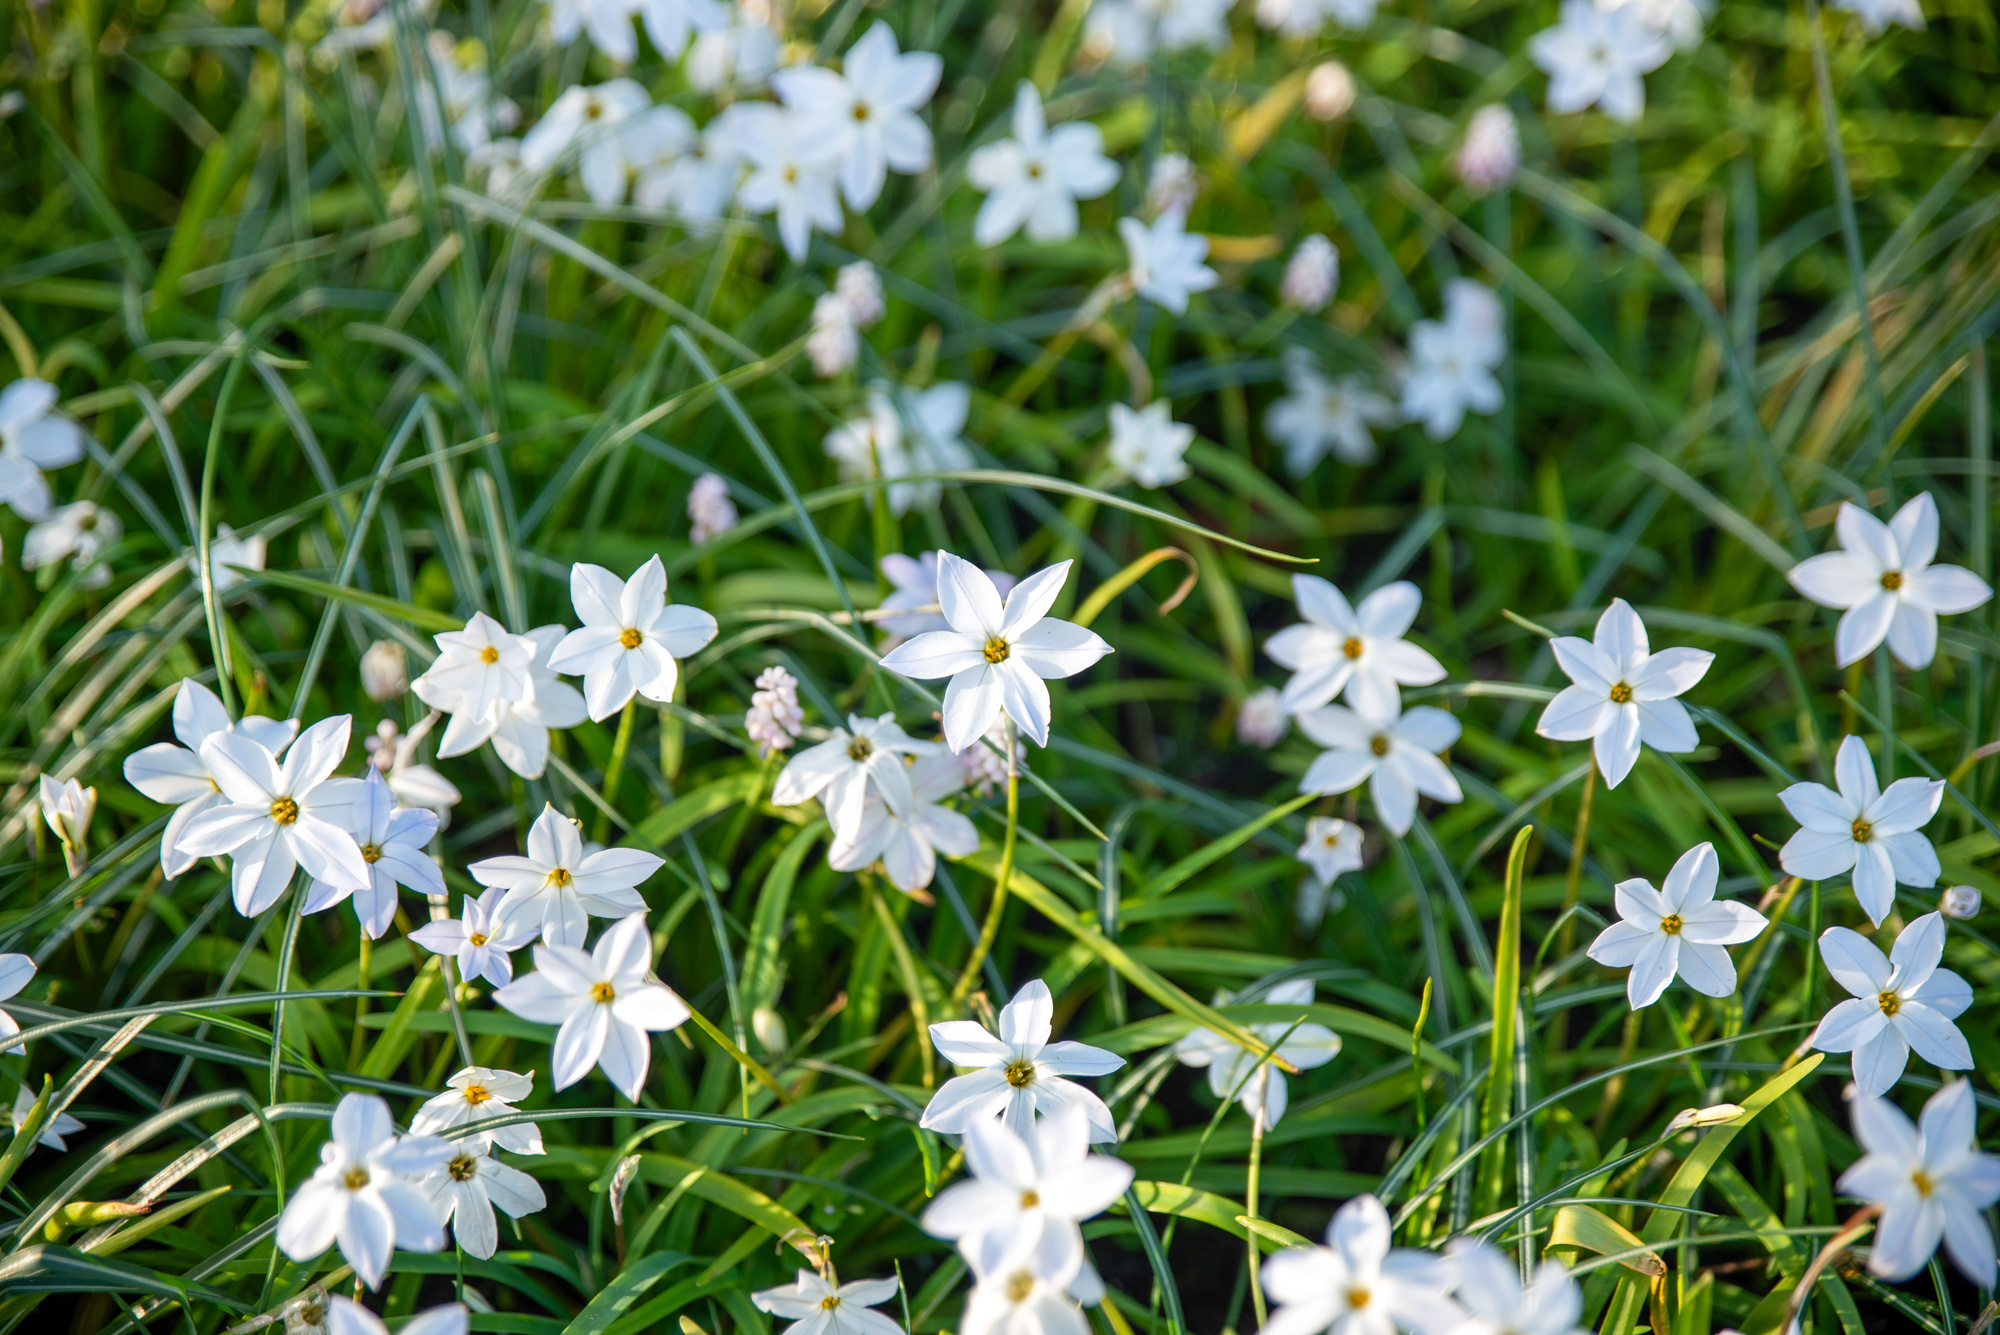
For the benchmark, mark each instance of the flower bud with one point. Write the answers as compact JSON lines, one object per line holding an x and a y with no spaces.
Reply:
{"x":769,"y":1026}
{"x":385,"y":672}
{"x":1491,"y":150}
{"x":1261,"y":720}
{"x":1329,"y":91}
{"x":1312,"y":275}
{"x":1960,"y":901}
{"x":1690,"y":1118}
{"x":68,"y":807}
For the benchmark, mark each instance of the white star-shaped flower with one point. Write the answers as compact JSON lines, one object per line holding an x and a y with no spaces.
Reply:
{"x":1622,"y":693}
{"x":669,"y":23}
{"x":631,"y":637}
{"x":16,"y":972}
{"x":840,"y":771}
{"x":868,"y":113}
{"x":997,"y":654}
{"x":1904,"y":1001}
{"x":557,"y":887}
{"x":1019,"y":1074}
{"x":480,"y":942}
{"x":1397,"y":754}
{"x":794,"y":174}
{"x":1166,"y":262}
{"x":915,"y":595}
{"x":391,"y":840}
{"x":1149,"y":446}
{"x":364,"y":1194}
{"x":1877,"y":15}
{"x":53,"y":1129}
{"x":467,"y":1188}
{"x":589,"y":119}
{"x":178,"y":776}
{"x":83,"y":530}
{"x":1320,"y":415}
{"x":476,"y":1093}
{"x":1036,"y":178}
{"x":1452,"y":361}
{"x":1356,"y":650}
{"x":1497,"y":1303}
{"x":1884,"y":580}
{"x":816,"y":1307}
{"x":609,"y":23}
{"x":344,"y":1316}
{"x":1357,"y":1285}
{"x":33,"y":436}
{"x":1332,"y":846}
{"x":1931,"y":1180}
{"x":1863,"y":828}
{"x":1681,"y":928}
{"x":1599,"y":56}
{"x":907,"y":843}
{"x":1233,"y":1071}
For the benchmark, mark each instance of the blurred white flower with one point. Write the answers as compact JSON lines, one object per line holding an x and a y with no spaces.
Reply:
{"x":1452,"y":361}
{"x":1932,"y":1181}
{"x":81,"y":530}
{"x":1332,"y":846}
{"x":1622,"y":693}
{"x":1320,"y":415}
{"x":985,"y":762}
{"x":1129,"y":32}
{"x":1397,"y":754}
{"x":1261,"y":720}
{"x":466,"y":96}
{"x":53,"y":1129}
{"x":669,"y":23}
{"x":1864,"y":828}
{"x":1166,"y":262}
{"x":794,"y":166}
{"x":1329,"y":91}
{"x":1959,"y":901}
{"x":1877,"y":15}
{"x":364,"y":1195}
{"x":1311,"y":275}
{"x":558,"y":887}
{"x":1884,"y":580}
{"x":16,"y":972}
{"x":275,"y":818}
{"x":907,"y":843}
{"x":859,"y":287}
{"x":344,"y":1316}
{"x":867,"y":114}
{"x":33,"y":436}
{"x":1302,"y":18}
{"x":591,"y":120}
{"x":606,"y":1003}
{"x":1018,"y":1075}
{"x":774,"y":720}
{"x":740,"y":54}
{"x":1357,"y":1285}
{"x":385,"y":672}
{"x":711,"y":513}
{"x":1148,"y":446}
{"x":178,"y":776}
{"x":1900,"y":1002}
{"x":834,"y":345}
{"x":1172,"y":184}
{"x":1035,"y":178}
{"x":1599,"y":56}
{"x":916,"y":595}
{"x":481,"y":943}
{"x":631,"y":638}
{"x":997,"y":654}
{"x":1680,"y":928}
{"x":840,"y":771}
{"x":1497,"y":1303}
{"x":651,"y":142}
{"x":68,"y":807}
{"x":1263,"y":1093}
{"x":1679,"y":21}
{"x":226,"y":551}
{"x":886,"y":445}
{"x":817,"y":1307}
{"x":367,"y":25}
{"x":1359,"y":651}
{"x":1490,"y":153}
{"x":1024,"y":1292}
{"x":499,"y":163}
{"x":698,"y":178}
{"x":608,"y":22}
{"x":466,"y":1189}
{"x":414,"y":785}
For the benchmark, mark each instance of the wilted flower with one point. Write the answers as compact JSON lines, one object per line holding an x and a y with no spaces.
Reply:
{"x":1490,"y":153}
{"x":385,"y":672}
{"x":1311,"y":275}
{"x":775,"y":719}
{"x":1261,"y":720}
{"x":481,"y":943}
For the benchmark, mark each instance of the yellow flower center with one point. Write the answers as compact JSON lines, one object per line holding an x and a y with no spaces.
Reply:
{"x":1922,"y":1182}
{"x":996,"y":650}
{"x":860,"y":749}
{"x":356,"y":1179}
{"x":1671,"y":924}
{"x":464,"y":1169}
{"x":1892,"y":580}
{"x":1351,"y":647}
{"x":1621,"y":694}
{"x":1379,"y":744}
{"x":1332,"y":841}
{"x":1020,"y":1073}
{"x":1019,"y":1286}
{"x":828,"y":1303}
{"x":1863,"y":832}
{"x":1030,"y":1200}
{"x":602,"y":992}
{"x":489,"y":655}
{"x":477,"y":938}
{"x":1889,"y":1002}
{"x":284,"y":811}
{"x":1358,"y":1298}
{"x":630,"y":638}
{"x":561,"y":879}
{"x":477,"y":1094}
{"x":1034,"y":171}
{"x":371,"y":853}
{"x":861,"y":111}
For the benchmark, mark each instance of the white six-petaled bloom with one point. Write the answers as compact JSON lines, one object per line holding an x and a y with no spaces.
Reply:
{"x":557,"y":887}
{"x":915,"y":596}
{"x":997,"y":654}
{"x":884,"y":443}
{"x":859,"y":287}
{"x":1622,"y":694}
{"x":82,"y":530}
{"x":1172,"y":184}
{"x":1355,"y":1284}
{"x":816,"y":1307}
{"x":1886,"y":584}
{"x":1452,"y":360}
{"x":834,"y":345}
{"x":1904,"y":1001}
{"x":1931,"y":1180}
{"x":178,"y":775}
{"x":867,"y":114}
{"x":1681,"y":928}
{"x":33,"y":436}
{"x":476,"y":1093}
{"x":1599,"y":56}
{"x":589,"y":119}
{"x":1497,"y":1303}
{"x":1166,"y":262}
{"x":1024,"y":1292}
{"x":1398,"y":754}
{"x":344,"y":1316}
{"x":907,"y":843}
{"x":669,"y":23}
{"x":740,"y":54}
{"x":16,"y":972}
{"x":1149,"y":446}
{"x":1019,"y":1074}
{"x":1864,"y":828}
{"x":1035,"y":178}
{"x":391,"y":839}
{"x":364,"y":1195}
{"x":1261,"y":720}
{"x":53,"y":1128}
{"x":476,"y":670}
{"x":1332,"y":846}
{"x":469,"y":1186}
{"x":1322,"y":415}
{"x":606,"y":1002}
{"x":1235,"y":1072}
{"x":631,"y":637}
{"x":840,"y":771}
{"x":520,"y":731}
{"x":1359,"y":651}
{"x":794,"y":174}
{"x":278,"y":817}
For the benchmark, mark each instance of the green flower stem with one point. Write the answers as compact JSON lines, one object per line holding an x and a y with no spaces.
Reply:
{"x":998,"y":905}
{"x":615,"y":771}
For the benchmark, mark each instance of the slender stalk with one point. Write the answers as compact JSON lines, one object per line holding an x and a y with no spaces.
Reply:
{"x":1250,"y":1196}
{"x":1572,"y":886}
{"x":1416,"y":1048}
{"x":293,"y":918}
{"x":1885,"y":705}
{"x":217,"y":640}
{"x":615,"y":771}
{"x":998,"y":904}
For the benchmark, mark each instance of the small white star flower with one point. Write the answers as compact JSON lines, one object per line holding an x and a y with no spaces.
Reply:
{"x":391,"y":840}
{"x":1172,"y":184}
{"x":1021,"y":1191}
{"x":227,"y":552}
{"x":1322,"y":415}
{"x":468,"y":1187}
{"x":907,"y":843}
{"x":1884,"y":580}
{"x":557,"y":887}
{"x":815,"y":1307}
{"x":1680,"y":928}
{"x":631,"y":638}
{"x":1452,"y":361}
{"x":480,"y":942}
{"x":1332,"y":846}
{"x":81,"y":530}
{"x":840,"y":771}
{"x":1357,"y":1285}
{"x":997,"y":654}
{"x":1679,"y":21}
{"x":1130,"y":32}
{"x":1359,"y":651}
{"x":1263,"y":1092}
{"x":278,"y":817}
{"x":1490,"y":153}
{"x":1166,"y":262}
{"x":1931,"y":1180}
{"x":590,"y":120}
{"x":1622,"y":693}
{"x":1305,"y":18}
{"x":33,"y":436}
{"x":698,"y":178}
{"x":605,"y":1001}
{"x":608,"y":22}
{"x":740,"y":54}
{"x":476,"y":669}
{"x":364,"y":1194}
{"x":1020,"y":1074}
{"x":915,"y":596}
{"x":882,"y":444}
{"x":1035,"y":178}
{"x":795,"y":165}
{"x":1904,"y":1001}
{"x":16,"y":972}
{"x":1148,"y":446}
{"x":476,"y":1093}
{"x":1599,"y":56}
{"x":53,"y":1129}
{"x":1863,"y":828}
{"x":1397,"y":754}
{"x":868,"y":114}
{"x":1497,"y":1303}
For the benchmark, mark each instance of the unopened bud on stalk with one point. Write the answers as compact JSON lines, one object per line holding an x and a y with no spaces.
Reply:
{"x":385,"y":672}
{"x":769,"y":1026}
{"x":1960,"y":901}
{"x":1329,"y":91}
{"x":1692,"y":1118}
{"x":68,"y":807}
